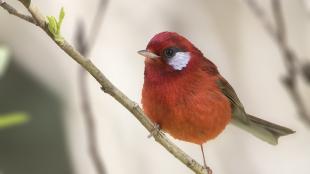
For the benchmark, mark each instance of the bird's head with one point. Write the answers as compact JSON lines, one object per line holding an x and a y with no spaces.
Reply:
{"x":169,"y":52}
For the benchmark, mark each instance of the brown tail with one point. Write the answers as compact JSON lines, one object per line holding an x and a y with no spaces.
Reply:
{"x":263,"y":129}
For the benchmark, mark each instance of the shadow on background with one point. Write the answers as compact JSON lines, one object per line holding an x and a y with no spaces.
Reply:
{"x":38,"y":146}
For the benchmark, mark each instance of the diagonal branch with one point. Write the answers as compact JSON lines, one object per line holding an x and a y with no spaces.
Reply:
{"x":109,"y":88}
{"x":279,"y":34}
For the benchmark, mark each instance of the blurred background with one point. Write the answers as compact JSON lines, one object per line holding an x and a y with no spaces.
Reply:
{"x":46,"y":100}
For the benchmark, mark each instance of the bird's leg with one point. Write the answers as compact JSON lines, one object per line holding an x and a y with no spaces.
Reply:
{"x":154,"y":131}
{"x":204,"y":160}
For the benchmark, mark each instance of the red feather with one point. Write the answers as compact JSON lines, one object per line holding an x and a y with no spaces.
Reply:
{"x":186,"y":103}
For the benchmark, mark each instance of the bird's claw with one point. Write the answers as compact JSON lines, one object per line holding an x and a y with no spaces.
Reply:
{"x":154,"y":131}
{"x":209,"y":170}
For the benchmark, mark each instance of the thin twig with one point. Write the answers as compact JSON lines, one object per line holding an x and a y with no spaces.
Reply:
{"x":109,"y":88}
{"x":13,"y":11}
{"x":89,"y":119}
{"x":85,"y":48}
{"x":95,"y":28}
{"x":279,"y":34}
{"x":290,"y":61}
{"x":259,"y":12}
{"x":90,"y":126}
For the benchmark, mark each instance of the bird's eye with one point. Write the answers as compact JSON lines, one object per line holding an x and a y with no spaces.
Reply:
{"x":169,"y":52}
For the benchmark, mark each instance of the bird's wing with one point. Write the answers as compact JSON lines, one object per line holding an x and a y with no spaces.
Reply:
{"x":260,"y":128}
{"x":238,"y":111}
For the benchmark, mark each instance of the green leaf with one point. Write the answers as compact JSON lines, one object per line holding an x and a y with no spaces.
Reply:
{"x":4,"y":59}
{"x":60,"y":19}
{"x":13,"y":119}
{"x":54,"y":26}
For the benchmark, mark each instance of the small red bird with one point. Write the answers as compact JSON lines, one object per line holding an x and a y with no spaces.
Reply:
{"x":186,"y":96}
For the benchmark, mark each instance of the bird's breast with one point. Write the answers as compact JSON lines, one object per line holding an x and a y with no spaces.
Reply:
{"x":193,"y":110}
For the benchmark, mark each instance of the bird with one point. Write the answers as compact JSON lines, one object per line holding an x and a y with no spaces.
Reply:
{"x":185,"y":95}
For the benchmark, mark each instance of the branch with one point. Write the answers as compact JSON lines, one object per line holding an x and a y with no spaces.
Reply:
{"x":89,"y":115}
{"x":109,"y":88}
{"x":95,"y":27}
{"x":85,"y":48}
{"x":260,"y":14}
{"x":278,"y":33}
{"x":13,"y":11}
{"x":90,"y":125}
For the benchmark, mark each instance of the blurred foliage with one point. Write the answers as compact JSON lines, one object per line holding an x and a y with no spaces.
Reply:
{"x":40,"y":146}
{"x":12,"y":119}
{"x":54,"y":26}
{"x":4,"y":59}
{"x":16,"y":118}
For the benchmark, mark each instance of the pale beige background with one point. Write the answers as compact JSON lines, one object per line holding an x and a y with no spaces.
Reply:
{"x":226,"y":31}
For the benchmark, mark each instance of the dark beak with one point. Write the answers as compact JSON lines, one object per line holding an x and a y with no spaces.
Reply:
{"x":148,"y":54}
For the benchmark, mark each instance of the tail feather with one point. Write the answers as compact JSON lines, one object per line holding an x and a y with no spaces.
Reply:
{"x":263,"y":129}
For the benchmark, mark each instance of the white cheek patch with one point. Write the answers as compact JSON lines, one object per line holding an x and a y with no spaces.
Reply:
{"x":179,"y":60}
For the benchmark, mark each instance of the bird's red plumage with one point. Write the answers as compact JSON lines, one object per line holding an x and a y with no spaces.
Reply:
{"x":186,"y":103}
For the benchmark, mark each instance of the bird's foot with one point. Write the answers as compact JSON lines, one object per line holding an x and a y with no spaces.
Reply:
{"x":154,"y":131}
{"x":209,"y":170}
